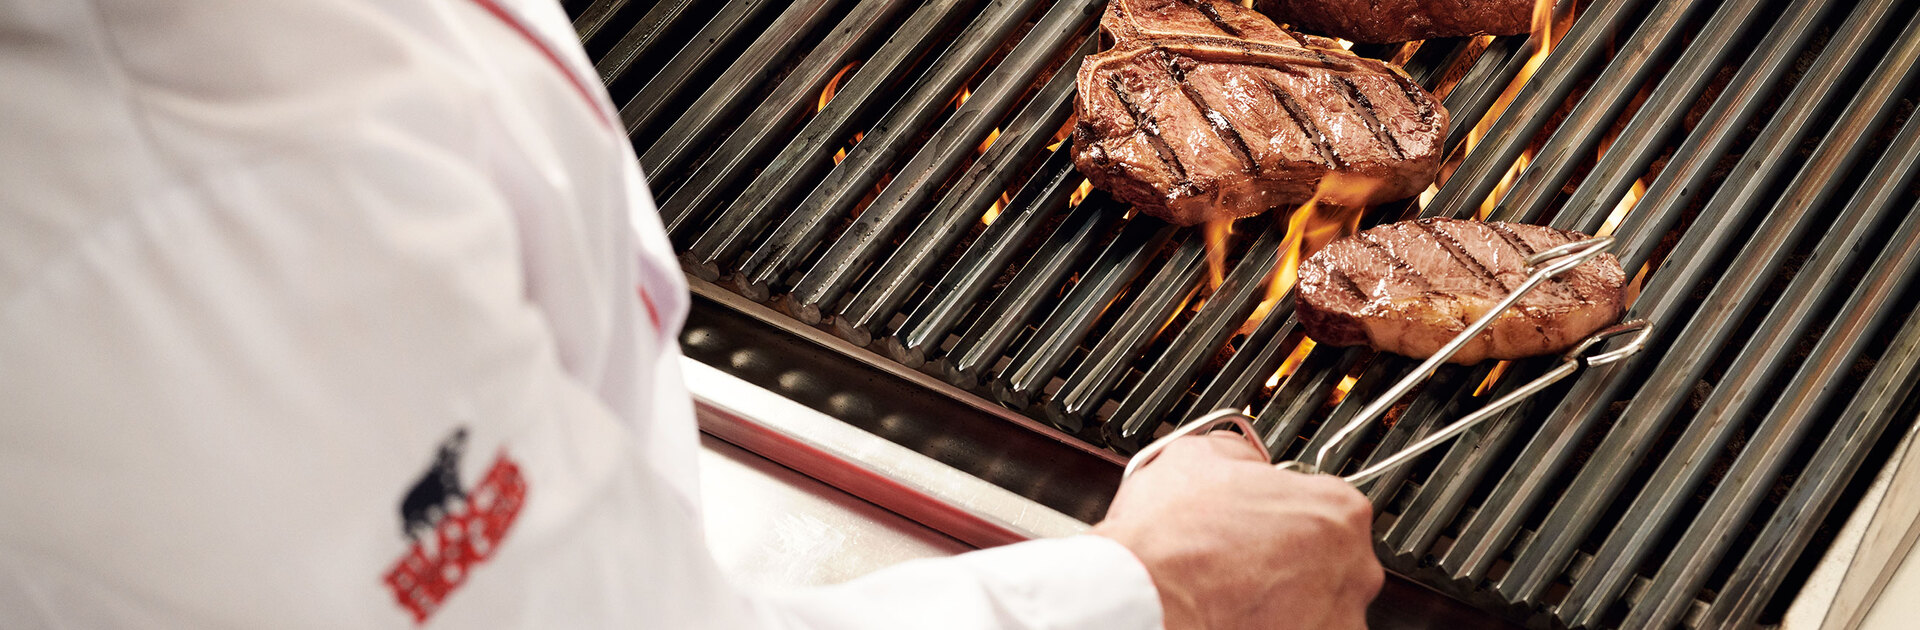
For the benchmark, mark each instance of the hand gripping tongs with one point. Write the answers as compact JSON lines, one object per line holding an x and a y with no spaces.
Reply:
{"x":1545,"y":266}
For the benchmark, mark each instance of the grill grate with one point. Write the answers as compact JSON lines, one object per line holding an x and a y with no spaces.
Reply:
{"x":896,"y":174}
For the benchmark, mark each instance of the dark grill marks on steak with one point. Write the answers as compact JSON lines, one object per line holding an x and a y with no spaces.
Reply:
{"x":1213,"y":15}
{"x":1459,"y":253}
{"x":1416,"y":96}
{"x":1512,"y":239}
{"x":1371,"y":118}
{"x":1328,"y":155}
{"x":1399,"y":264}
{"x":1221,"y":126}
{"x":1219,"y":148}
{"x":1145,"y":123}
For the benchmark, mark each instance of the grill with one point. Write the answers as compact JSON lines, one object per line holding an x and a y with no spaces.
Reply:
{"x":883,"y":186}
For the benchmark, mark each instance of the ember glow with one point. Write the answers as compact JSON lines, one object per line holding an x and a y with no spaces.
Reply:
{"x":1340,"y":391}
{"x":985,"y":144}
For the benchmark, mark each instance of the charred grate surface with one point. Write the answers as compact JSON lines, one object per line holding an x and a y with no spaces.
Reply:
{"x":896,"y":175}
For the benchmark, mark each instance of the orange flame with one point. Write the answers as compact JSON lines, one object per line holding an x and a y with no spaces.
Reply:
{"x":1066,"y":131}
{"x":1405,"y":53}
{"x":1080,"y":194}
{"x":1620,"y":210}
{"x":1216,"y":234}
{"x":841,"y":155}
{"x":1545,"y":29}
{"x":1344,"y":44}
{"x":1340,"y":391}
{"x":961,"y":98}
{"x":833,"y":85}
{"x":1639,"y":279}
{"x":1492,"y":377}
{"x":994,"y":212}
{"x":1292,"y":363}
{"x":1311,"y":227}
{"x":989,"y":141}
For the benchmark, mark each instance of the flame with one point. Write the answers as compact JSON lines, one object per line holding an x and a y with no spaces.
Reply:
{"x":1626,"y":205}
{"x":961,"y":98}
{"x":841,"y":155}
{"x":1292,"y":363}
{"x":994,"y":212}
{"x":1492,"y":377}
{"x":1080,"y":194}
{"x":1066,"y":131}
{"x":989,"y":141}
{"x":833,"y":85}
{"x":1545,"y":29}
{"x":1639,"y":279}
{"x":1405,"y":53}
{"x":1216,"y":234}
{"x":1344,"y":44}
{"x":1311,"y":227}
{"x":1506,"y":183}
{"x":1340,"y":391}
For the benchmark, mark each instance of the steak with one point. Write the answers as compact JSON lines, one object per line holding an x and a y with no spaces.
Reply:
{"x":1410,"y":287}
{"x":1386,"y":21}
{"x":1207,"y":110}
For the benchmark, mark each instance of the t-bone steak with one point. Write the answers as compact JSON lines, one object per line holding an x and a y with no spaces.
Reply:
{"x":1208,"y":110}
{"x":1387,"y":21}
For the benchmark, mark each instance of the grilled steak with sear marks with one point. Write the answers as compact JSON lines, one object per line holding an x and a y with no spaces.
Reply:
{"x":1207,"y":110}
{"x":1409,"y":287}
{"x":1386,"y":21}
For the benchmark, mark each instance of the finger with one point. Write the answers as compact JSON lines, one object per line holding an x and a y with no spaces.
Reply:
{"x":1232,"y":445}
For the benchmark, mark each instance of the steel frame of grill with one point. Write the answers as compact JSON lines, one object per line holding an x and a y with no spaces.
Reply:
{"x":1093,"y":330}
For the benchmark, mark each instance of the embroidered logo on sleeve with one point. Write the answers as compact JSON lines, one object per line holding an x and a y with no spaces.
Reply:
{"x":452,"y":529}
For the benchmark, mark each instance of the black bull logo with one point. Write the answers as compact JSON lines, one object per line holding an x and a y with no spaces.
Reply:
{"x":432,"y":498}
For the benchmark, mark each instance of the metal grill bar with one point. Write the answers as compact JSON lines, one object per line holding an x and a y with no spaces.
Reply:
{"x":1720,"y":225}
{"x":1073,"y":318}
{"x":756,"y":64}
{"x":1638,"y":144}
{"x":1141,"y":411}
{"x":652,"y":99}
{"x":913,"y":259}
{"x":1279,"y":424}
{"x":1855,"y":430}
{"x":892,"y":137}
{"x":596,"y":16}
{"x":808,"y":155}
{"x":713,"y":180}
{"x":1088,"y":384}
{"x":1479,"y":88}
{"x":1579,"y":135}
{"x":956,"y":141}
{"x":990,"y":335}
{"x":1482,"y":169}
{"x":1267,"y":345}
{"x":1046,"y":193}
{"x":1712,"y":529}
{"x":1422,"y":417}
{"x":1756,"y":364}
{"x":642,"y":38}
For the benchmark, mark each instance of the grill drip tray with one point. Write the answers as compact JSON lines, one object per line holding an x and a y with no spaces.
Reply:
{"x":754,"y":362}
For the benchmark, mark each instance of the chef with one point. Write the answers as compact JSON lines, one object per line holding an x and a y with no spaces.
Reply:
{"x":358,"y":314}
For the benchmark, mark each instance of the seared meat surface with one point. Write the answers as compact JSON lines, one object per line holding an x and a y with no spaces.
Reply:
{"x":1386,"y":21}
{"x":1207,"y":110}
{"x":1410,"y":287}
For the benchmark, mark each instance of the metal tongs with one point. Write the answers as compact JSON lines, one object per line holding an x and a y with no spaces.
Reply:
{"x":1545,"y":266}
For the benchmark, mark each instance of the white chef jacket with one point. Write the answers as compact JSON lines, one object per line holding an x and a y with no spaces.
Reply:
{"x":357,"y":314}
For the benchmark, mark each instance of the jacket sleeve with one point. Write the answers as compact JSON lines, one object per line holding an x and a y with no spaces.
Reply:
{"x":1079,"y":582}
